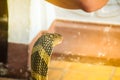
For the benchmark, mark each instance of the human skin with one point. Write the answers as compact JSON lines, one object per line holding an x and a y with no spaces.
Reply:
{"x":86,"y":5}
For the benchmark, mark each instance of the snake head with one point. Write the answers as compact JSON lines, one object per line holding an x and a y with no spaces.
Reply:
{"x":54,"y":37}
{"x":57,"y":39}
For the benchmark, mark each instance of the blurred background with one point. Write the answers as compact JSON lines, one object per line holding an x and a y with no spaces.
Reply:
{"x":90,"y":46}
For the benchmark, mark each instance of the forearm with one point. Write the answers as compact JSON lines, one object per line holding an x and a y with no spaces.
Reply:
{"x":92,"y":5}
{"x":86,"y":5}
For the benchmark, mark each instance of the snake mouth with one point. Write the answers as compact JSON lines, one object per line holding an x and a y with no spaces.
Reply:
{"x":60,"y":40}
{"x":57,"y":39}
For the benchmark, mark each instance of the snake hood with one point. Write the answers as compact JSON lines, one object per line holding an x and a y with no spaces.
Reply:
{"x":48,"y":41}
{"x":41,"y":53}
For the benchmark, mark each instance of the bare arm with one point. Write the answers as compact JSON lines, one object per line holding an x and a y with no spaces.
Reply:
{"x":86,"y":5}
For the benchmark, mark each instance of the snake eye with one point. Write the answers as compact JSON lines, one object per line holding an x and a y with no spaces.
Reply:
{"x":51,"y":36}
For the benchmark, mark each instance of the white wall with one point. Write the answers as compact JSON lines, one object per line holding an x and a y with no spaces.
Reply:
{"x":27,"y":18}
{"x":19,"y":22}
{"x":41,"y":16}
{"x":37,"y":17}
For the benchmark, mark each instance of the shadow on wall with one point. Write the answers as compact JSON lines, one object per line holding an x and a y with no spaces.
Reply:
{"x":3,"y":31}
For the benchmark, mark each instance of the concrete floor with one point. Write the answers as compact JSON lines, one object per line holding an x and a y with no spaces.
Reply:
{"x":62,"y":70}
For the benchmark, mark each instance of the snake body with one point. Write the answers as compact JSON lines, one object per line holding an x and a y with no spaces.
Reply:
{"x":41,"y":53}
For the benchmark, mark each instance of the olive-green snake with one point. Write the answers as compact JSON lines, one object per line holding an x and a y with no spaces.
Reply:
{"x":41,"y":53}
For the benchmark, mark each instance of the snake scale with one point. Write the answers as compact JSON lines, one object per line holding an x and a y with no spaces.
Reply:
{"x":41,"y":53}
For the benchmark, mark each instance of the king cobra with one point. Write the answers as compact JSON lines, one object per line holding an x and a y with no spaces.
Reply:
{"x":41,"y":54}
